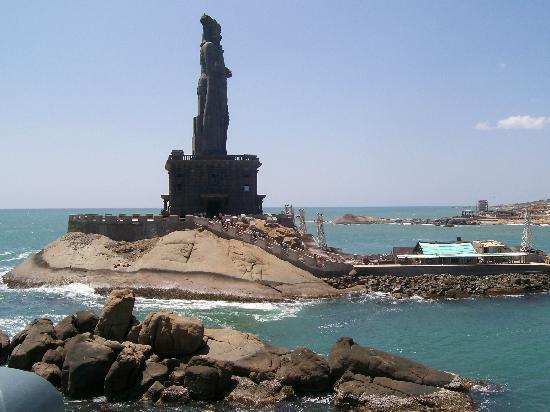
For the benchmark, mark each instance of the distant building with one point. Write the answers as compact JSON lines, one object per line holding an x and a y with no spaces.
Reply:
{"x":506,"y":213}
{"x":458,"y":253}
{"x":482,"y":206}
{"x":468,"y":213}
{"x":490,"y":246}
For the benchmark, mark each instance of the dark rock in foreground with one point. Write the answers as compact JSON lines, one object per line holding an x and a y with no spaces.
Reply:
{"x":116,"y":317}
{"x":5,"y":348}
{"x":177,"y":361}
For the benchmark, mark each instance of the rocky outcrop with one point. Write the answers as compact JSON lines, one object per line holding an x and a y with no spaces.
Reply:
{"x":116,"y":317}
{"x":87,"y":362}
{"x":32,"y":343}
{"x":183,"y":264}
{"x":171,"y":335}
{"x":366,"y":376}
{"x":85,"y":321}
{"x":50,"y":372}
{"x":5,"y":348}
{"x":66,"y":328}
{"x":350,"y":219}
{"x":444,"y":286}
{"x":183,"y":362}
{"x":305,"y":371}
{"x":154,"y":392}
{"x":125,"y":374}
{"x":249,"y":393}
{"x":173,"y":394}
{"x":207,"y":379}
{"x":54,"y":356}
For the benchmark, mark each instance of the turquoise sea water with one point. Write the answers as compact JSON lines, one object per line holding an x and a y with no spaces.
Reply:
{"x":504,"y":340}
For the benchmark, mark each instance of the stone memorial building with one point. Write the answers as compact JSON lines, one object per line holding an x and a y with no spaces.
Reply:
{"x":209,"y":180}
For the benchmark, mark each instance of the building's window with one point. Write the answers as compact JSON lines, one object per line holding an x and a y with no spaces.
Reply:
{"x":179,"y":186}
{"x":246,"y":188}
{"x":245,"y":175}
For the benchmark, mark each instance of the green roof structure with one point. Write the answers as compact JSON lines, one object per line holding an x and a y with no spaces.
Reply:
{"x":447,"y":249}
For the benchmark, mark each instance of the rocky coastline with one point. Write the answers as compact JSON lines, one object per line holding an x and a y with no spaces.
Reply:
{"x":167,"y":359}
{"x":443,"y":286}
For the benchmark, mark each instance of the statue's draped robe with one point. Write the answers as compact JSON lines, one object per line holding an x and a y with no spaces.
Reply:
{"x":213,"y":118}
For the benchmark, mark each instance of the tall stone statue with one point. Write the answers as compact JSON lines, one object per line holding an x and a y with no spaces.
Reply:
{"x":210,"y":125}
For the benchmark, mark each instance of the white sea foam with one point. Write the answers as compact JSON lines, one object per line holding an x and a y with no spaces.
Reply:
{"x":260,"y":311}
{"x":5,"y":253}
{"x":20,"y":256}
{"x":75,"y":291}
{"x":71,"y":291}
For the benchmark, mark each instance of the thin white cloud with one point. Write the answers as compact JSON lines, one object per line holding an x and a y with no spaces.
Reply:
{"x":517,"y":122}
{"x":483,"y":126}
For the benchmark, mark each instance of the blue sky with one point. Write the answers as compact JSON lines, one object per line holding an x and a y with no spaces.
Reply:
{"x":359,"y":103}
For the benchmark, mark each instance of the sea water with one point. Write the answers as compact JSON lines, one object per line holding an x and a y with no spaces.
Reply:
{"x":504,"y":341}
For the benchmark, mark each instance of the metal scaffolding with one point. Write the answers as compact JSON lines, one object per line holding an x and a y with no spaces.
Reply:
{"x":321,"y":237}
{"x":302,"y":221}
{"x":527,"y":235}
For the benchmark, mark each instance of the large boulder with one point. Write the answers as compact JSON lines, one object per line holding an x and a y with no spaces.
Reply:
{"x":87,"y":362}
{"x":173,"y":394}
{"x":154,"y":391}
{"x":261,"y":365}
{"x":305,"y":371}
{"x":86,"y":321}
{"x":116,"y":317}
{"x":54,"y":356}
{"x":249,"y":393}
{"x":251,"y":357}
{"x":50,"y":372}
{"x":346,"y":355}
{"x":66,"y":328}
{"x":36,"y":326}
{"x":133,"y":333}
{"x":124,"y":376}
{"x":171,"y":335}
{"x":5,"y":348}
{"x":207,"y":379}
{"x":381,"y":394}
{"x":153,"y":371}
{"x":33,"y":342}
{"x":229,"y":344}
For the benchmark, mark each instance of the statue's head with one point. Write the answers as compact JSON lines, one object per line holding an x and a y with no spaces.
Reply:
{"x":211,"y":30}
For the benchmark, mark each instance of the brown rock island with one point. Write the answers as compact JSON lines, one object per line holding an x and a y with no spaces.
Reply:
{"x":187,"y":263}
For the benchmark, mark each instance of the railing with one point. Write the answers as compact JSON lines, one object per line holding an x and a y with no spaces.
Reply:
{"x":314,"y":264}
{"x":221,"y":157}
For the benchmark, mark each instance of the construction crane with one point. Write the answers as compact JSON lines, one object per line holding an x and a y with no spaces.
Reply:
{"x":527,"y":235}
{"x":321,"y":237}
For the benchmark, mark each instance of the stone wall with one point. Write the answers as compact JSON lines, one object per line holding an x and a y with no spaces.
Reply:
{"x":128,"y":228}
{"x":470,"y":270}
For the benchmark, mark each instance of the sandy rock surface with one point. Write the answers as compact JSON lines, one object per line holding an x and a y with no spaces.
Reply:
{"x":197,"y":262}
